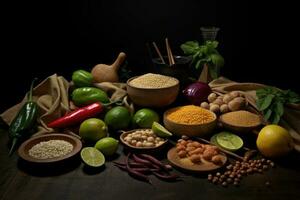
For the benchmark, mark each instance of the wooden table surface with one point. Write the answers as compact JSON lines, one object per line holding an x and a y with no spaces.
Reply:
{"x":72,"y":180}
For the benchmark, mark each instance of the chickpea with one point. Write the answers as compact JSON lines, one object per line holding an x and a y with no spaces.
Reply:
{"x":133,"y":142}
{"x":139,"y":144}
{"x":144,"y":137}
{"x":128,"y":138}
{"x":150,"y":139}
{"x":149,"y":144}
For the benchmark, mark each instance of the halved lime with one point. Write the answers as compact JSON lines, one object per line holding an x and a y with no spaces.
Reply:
{"x":213,"y":140}
{"x":92,"y":157}
{"x":229,"y":141}
{"x":160,"y":130}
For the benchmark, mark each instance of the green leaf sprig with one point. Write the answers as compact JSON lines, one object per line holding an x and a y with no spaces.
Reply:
{"x":204,"y":54}
{"x":271,"y":101}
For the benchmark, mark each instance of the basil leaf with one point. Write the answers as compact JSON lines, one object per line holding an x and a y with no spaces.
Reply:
{"x":276,"y":119}
{"x":267,"y":102}
{"x":278,"y":108}
{"x":267,"y":114}
{"x":190,"y":47}
{"x":292,"y":97}
{"x":198,"y":64}
{"x":259,"y":103}
{"x":260,"y":93}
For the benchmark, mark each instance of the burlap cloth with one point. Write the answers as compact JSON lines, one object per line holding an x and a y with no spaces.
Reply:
{"x":291,"y":116}
{"x":52,"y":98}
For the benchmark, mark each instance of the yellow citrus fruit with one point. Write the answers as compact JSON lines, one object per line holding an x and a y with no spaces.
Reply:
{"x":274,"y":141}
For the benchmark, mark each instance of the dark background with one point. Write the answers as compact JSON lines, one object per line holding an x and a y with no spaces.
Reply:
{"x":46,"y":37}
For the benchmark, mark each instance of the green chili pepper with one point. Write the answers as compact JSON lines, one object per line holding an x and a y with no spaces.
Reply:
{"x":82,"y":78}
{"x":22,"y":125}
{"x":88,"y":95}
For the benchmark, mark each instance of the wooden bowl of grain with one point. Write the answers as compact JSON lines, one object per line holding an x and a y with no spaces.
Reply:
{"x":152,"y":90}
{"x":241,"y":121}
{"x":49,"y":148}
{"x":195,"y":129}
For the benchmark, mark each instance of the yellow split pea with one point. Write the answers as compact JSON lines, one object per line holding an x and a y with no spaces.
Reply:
{"x":190,"y":115}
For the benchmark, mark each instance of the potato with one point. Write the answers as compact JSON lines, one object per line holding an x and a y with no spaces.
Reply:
{"x":212,"y":97}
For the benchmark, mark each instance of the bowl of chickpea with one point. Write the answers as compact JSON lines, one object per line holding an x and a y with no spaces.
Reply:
{"x":142,"y":139}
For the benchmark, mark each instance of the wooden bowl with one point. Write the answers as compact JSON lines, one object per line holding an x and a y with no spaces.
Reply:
{"x":239,"y":129}
{"x":192,"y":130}
{"x":23,"y":150}
{"x":152,"y":97}
{"x":187,"y":164}
{"x":124,"y":134}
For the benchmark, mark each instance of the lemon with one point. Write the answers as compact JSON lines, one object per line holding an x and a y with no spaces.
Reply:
{"x":145,"y":117}
{"x":229,"y":141}
{"x":108,"y":146}
{"x":118,"y":118}
{"x":92,"y":157}
{"x":274,"y":141}
{"x":160,"y":131}
{"x":92,"y":130}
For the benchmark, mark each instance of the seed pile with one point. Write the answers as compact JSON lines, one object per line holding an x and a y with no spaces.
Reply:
{"x":144,"y":138}
{"x":153,"y":81}
{"x":190,"y":115}
{"x":241,"y":118}
{"x":235,"y":172}
{"x":50,"y":149}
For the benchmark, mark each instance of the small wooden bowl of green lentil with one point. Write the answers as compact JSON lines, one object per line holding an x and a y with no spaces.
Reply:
{"x":152,"y":90}
{"x":49,"y":148}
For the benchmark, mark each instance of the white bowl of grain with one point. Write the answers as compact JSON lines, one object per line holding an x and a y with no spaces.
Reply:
{"x":153,"y":90}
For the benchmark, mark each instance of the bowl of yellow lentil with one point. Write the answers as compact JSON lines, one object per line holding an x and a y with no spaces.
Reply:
{"x":190,"y":120}
{"x":152,"y":90}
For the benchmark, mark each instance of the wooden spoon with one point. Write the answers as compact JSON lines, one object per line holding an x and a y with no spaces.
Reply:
{"x":108,"y":73}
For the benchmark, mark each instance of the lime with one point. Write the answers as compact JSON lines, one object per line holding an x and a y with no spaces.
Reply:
{"x":229,"y":141}
{"x":108,"y":146}
{"x":144,"y":118}
{"x":160,"y":131}
{"x":92,"y":130}
{"x":213,"y":140}
{"x":92,"y":157}
{"x":118,"y":118}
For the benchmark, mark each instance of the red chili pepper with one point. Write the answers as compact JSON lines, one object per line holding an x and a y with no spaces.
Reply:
{"x":77,"y":116}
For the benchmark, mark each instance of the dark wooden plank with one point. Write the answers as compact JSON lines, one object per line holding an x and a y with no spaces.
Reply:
{"x":72,"y":180}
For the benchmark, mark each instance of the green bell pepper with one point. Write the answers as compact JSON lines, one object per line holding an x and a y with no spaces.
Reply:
{"x":87,"y":95}
{"x":82,"y":78}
